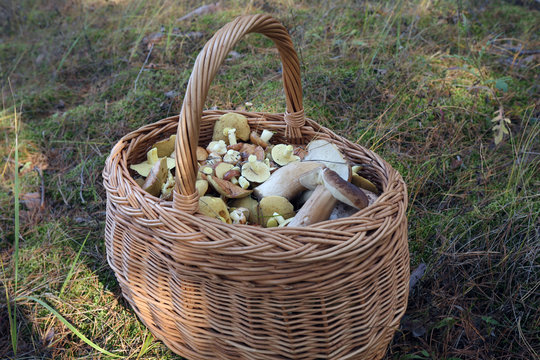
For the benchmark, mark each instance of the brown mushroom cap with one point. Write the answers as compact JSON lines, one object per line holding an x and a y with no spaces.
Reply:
{"x":227,"y":189}
{"x":342,"y":190}
{"x":202,"y":154}
{"x":255,"y":139}
{"x":231,"y":120}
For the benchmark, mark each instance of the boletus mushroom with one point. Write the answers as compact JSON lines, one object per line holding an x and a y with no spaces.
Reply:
{"x":328,"y":188}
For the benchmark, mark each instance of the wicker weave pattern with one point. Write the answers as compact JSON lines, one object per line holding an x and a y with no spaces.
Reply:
{"x":334,"y":290}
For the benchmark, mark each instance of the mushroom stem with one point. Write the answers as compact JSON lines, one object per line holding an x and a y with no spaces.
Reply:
{"x":318,"y":208}
{"x":266,"y":135}
{"x":285,"y":180}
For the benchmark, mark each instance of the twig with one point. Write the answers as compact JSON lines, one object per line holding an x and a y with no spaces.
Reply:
{"x":142,"y":67}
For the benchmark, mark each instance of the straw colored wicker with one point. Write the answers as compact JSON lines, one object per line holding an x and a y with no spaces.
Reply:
{"x":334,"y":290}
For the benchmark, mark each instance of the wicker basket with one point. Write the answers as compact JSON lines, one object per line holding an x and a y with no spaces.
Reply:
{"x":209,"y":290}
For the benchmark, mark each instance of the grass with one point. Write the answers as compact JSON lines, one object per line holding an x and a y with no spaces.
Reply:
{"x":417,"y":81}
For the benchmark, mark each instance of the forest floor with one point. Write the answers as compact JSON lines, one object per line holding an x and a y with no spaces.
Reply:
{"x":427,"y":84}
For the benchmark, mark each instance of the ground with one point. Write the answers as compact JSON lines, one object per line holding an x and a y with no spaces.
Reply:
{"x":427,"y":84}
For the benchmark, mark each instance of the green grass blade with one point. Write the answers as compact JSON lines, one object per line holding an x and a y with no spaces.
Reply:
{"x":146,"y":346}
{"x":69,"y":326}
{"x":70,"y":273}
{"x":16,"y":191}
{"x":66,"y":55}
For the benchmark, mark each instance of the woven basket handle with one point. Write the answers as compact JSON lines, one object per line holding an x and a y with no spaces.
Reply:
{"x":208,"y":61}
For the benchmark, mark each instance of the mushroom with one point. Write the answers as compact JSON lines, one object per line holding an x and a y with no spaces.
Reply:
{"x":361,"y":181}
{"x":152,"y":157}
{"x":270,"y":205}
{"x":156,"y":178}
{"x":232,"y":173}
{"x":233,"y":121}
{"x":324,"y":152}
{"x":201,"y":186}
{"x":214,"y":207}
{"x":262,"y":141}
{"x":167,"y":188}
{"x":251,"y":205}
{"x":250,"y":149}
{"x":285,"y":180}
{"x":202,"y":154}
{"x":275,"y":220}
{"x":165,"y":147}
{"x":144,"y":168}
{"x":217,"y":147}
{"x":231,"y":135}
{"x":227,"y":189}
{"x":328,"y":187}
{"x":283,"y":154}
{"x":255,"y":171}
{"x":239,"y":215}
{"x":222,"y":168}
{"x":320,"y":204}
{"x":232,"y":156}
{"x":244,"y":184}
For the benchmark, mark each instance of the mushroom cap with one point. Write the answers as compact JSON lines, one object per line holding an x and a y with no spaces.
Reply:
{"x":227,"y":188}
{"x":255,"y":139}
{"x":214,"y":207}
{"x":202,"y":154}
{"x":165,"y":147}
{"x":201,"y":186}
{"x":283,"y":154}
{"x":252,"y":205}
{"x":326,"y":153}
{"x":231,"y":120}
{"x":342,"y":190}
{"x":275,"y":204}
{"x":255,"y":171}
{"x":222,"y":168}
{"x":157,"y":176}
{"x":364,"y":183}
{"x":311,"y":179}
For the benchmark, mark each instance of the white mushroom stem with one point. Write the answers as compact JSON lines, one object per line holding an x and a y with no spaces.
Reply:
{"x":317,"y":208}
{"x":285,"y":180}
{"x":266,"y":135}
{"x":231,"y":135}
{"x":275,"y":220}
{"x":238,"y":216}
{"x":242,"y":181}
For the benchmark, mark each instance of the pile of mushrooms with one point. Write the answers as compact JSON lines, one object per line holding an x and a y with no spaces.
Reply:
{"x":244,"y":179}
